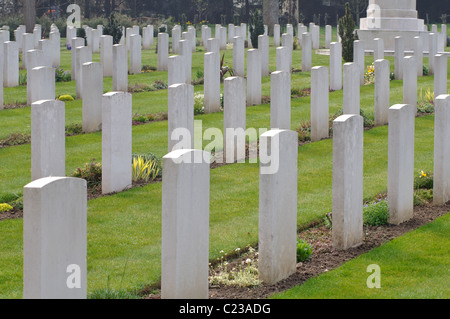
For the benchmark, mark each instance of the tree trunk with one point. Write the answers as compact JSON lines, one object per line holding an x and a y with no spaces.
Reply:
{"x":107,"y":7}
{"x":87,"y":9}
{"x":247,"y":11}
{"x":29,"y":12}
{"x":270,"y":13}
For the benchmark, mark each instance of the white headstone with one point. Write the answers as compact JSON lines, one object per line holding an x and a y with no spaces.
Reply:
{"x":185,"y":225}
{"x":55,"y":239}
{"x":347,"y":205}
{"x":116,"y":112}
{"x":401,"y":163}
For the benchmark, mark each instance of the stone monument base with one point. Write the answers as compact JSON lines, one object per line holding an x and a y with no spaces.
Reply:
{"x":388,"y":37}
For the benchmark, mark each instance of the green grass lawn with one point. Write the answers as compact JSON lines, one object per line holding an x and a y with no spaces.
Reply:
{"x":124,"y":230}
{"x":415,"y":265}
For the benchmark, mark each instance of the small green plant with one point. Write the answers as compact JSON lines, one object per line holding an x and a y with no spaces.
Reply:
{"x":92,"y":173}
{"x":145,"y":167}
{"x":199,"y":104}
{"x":376,"y":213}
{"x":243,"y":274}
{"x":369,"y":76}
{"x":304,"y":250}
{"x":22,"y":79}
{"x":148,"y":68}
{"x":74,"y":129}
{"x":425,"y":70}
{"x":62,"y":76}
{"x":423,"y":196}
{"x":15,"y":139}
{"x":425,"y":101}
{"x":160,"y":85}
{"x":424,"y":180}
{"x":4,"y":207}
{"x":66,"y":98}
{"x":392,"y":76}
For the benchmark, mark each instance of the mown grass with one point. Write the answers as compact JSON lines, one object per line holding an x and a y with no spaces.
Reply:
{"x":412,"y":266}
{"x":124,"y":230}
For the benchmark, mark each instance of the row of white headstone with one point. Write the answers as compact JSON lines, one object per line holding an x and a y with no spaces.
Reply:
{"x":181,"y":176}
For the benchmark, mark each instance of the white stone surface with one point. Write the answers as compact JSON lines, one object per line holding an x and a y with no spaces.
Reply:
{"x":55,"y":239}
{"x":10,"y":64}
{"x":75,"y":43}
{"x":378,"y":49}
{"x":106,"y":54}
{"x":336,"y":66}
{"x":176,"y":70}
{"x":212,"y":82}
{"x":359,"y":59}
{"x":401,"y":163}
{"x":27,"y":44}
{"x":92,"y":86}
{"x":186,"y":53}
{"x":382,"y":92}
{"x":239,"y":57}
{"x":441,"y":171}
{"x":163,"y":51}
{"x":306,"y":52}
{"x":398,"y":58}
{"x":120,"y":68}
{"x":283,"y":55}
{"x":280,"y":100}
{"x":47,"y":139}
{"x":410,"y":82}
{"x":351,"y":88}
{"x":276,"y":35}
{"x":180,"y":115}
{"x":328,"y":36}
{"x":320,"y":101}
{"x":234,"y":119}
{"x":347,"y":204}
{"x":185,"y":225}
{"x":42,"y":83}
{"x":263,"y":48}
{"x":253,"y":77}
{"x":135,"y":54}
{"x":418,"y":55}
{"x":432,"y":44}
{"x":287,"y":41}
{"x":278,"y":206}
{"x":84,"y":55}
{"x":440,"y":75}
{"x":116,"y":112}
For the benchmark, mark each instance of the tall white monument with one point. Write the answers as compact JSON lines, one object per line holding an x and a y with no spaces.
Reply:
{"x":387,"y":19}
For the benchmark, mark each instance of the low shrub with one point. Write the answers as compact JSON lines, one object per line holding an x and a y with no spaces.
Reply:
{"x":199,"y":103}
{"x":376,"y":213}
{"x":66,"y":98}
{"x":4,"y":207}
{"x":304,"y":250}
{"x":62,"y":76}
{"x":423,"y":196}
{"x":92,"y":173}
{"x":74,"y":129}
{"x":15,"y":139}
{"x":424,"y":180}
{"x":145,"y":167}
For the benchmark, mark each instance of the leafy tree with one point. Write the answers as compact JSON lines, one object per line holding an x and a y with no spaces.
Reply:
{"x":256,"y":27}
{"x":113,"y":29}
{"x":347,"y":33}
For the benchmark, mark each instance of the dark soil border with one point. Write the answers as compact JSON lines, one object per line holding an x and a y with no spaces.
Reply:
{"x":325,"y":257}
